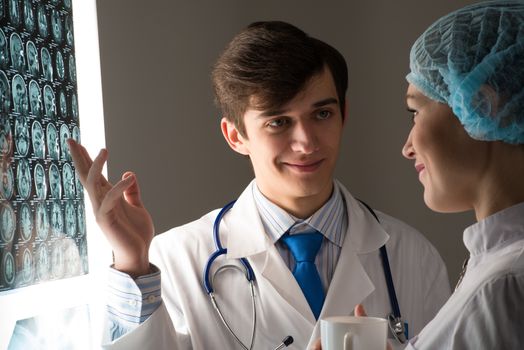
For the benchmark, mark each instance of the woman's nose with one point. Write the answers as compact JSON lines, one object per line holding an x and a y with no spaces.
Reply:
{"x":408,"y":151}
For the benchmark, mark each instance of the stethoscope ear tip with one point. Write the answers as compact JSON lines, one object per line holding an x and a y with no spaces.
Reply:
{"x":288,"y":340}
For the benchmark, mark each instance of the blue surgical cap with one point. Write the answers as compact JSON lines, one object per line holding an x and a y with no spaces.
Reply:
{"x":473,"y":60}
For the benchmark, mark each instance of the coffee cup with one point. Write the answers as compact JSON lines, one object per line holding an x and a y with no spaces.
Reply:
{"x":353,"y":333}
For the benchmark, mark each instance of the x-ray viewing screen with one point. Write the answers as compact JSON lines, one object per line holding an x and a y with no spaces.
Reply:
{"x":63,"y":329}
{"x":42,"y":218}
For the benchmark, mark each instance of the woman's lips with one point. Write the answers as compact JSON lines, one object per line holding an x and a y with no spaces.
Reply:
{"x":419,"y":167}
{"x":420,"y":170}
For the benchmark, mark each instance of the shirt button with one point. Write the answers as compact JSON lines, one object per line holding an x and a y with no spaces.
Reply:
{"x":132,"y":302}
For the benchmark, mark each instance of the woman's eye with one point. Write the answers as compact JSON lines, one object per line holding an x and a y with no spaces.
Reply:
{"x":413,"y":113}
{"x":323,"y":114}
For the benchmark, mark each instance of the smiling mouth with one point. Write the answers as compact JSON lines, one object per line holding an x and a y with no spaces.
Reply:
{"x":305,"y":167}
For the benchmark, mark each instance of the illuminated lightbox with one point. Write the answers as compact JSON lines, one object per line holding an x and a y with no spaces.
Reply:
{"x":42,"y":212}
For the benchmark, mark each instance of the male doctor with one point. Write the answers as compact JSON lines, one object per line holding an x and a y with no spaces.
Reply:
{"x":282,"y":95}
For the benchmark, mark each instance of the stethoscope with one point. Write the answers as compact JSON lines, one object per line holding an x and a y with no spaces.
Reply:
{"x":398,"y":328}
{"x":396,"y":325}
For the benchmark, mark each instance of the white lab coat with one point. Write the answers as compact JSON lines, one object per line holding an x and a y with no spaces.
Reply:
{"x":187,"y":320}
{"x":486,"y":310}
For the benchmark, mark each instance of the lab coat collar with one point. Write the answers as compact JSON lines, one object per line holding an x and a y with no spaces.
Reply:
{"x":246,"y":234}
{"x":364,"y":232}
{"x":494,"y":232}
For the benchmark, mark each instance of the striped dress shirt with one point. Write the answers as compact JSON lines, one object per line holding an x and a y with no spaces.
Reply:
{"x":330,"y":220}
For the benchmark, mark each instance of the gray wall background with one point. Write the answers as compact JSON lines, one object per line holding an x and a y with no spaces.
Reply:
{"x":160,"y":120}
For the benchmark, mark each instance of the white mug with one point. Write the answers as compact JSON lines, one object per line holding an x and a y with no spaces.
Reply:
{"x":353,"y":333}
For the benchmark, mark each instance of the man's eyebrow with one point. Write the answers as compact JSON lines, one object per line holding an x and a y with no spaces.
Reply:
{"x":272,"y":112}
{"x":327,"y":101}
{"x":321,"y":103}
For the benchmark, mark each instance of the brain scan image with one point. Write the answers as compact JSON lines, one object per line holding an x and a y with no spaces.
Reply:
{"x":9,"y":268}
{"x":7,"y":185}
{"x":25,"y":221}
{"x":40,"y":182}
{"x":8,"y":222}
{"x":23,"y":179}
{"x":19,"y":92}
{"x":55,"y":181}
{"x":38,"y":140}
{"x":43,"y":262}
{"x":35,"y":98}
{"x":43,"y":234}
{"x":57,"y":219}
{"x":42,"y":221}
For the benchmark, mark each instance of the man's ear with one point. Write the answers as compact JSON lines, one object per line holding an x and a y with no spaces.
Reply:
{"x":234,"y":139}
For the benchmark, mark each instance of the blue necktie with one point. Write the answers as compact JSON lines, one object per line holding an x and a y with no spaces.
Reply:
{"x":304,"y":247}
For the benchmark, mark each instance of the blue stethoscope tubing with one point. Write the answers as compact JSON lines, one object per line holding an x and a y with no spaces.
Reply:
{"x":208,"y":280}
{"x":250,"y":275}
{"x":397,"y":326}
{"x":395,"y":319}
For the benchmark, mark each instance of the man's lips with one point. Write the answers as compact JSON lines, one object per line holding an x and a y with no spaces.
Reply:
{"x":308,"y":166}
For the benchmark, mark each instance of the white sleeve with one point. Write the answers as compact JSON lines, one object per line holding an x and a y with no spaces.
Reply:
{"x":493,"y":317}
{"x":490,"y":319}
{"x":157,"y":332}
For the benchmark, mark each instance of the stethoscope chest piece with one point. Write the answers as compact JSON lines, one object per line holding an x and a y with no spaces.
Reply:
{"x":397,"y":328}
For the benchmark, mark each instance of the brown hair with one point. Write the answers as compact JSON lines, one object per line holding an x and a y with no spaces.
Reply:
{"x":271,"y":61}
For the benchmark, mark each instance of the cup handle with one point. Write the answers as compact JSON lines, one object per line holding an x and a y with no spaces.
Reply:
{"x":348,"y":341}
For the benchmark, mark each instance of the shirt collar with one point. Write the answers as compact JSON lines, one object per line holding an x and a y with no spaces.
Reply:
{"x":495,"y":231}
{"x":331,"y":219}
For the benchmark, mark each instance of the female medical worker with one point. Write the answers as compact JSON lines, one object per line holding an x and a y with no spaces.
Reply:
{"x":284,"y":94}
{"x":466,"y":94}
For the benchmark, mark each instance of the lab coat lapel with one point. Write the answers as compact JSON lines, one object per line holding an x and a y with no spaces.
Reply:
{"x":351,"y":284}
{"x":278,"y":274}
{"x":247,"y":238}
{"x":242,"y":228}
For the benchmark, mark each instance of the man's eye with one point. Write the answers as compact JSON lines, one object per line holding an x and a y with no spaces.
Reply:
{"x":277,"y":123}
{"x":323,"y":114}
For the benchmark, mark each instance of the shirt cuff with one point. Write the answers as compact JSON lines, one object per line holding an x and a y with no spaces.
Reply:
{"x":130,"y":302}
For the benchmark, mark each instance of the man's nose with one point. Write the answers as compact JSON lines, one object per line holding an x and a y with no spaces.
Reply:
{"x":305,"y":139}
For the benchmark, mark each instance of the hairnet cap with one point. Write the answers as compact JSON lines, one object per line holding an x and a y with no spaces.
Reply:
{"x":473,"y":60}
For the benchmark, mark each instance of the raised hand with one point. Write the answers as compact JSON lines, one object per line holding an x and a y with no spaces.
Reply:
{"x":118,"y":210}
